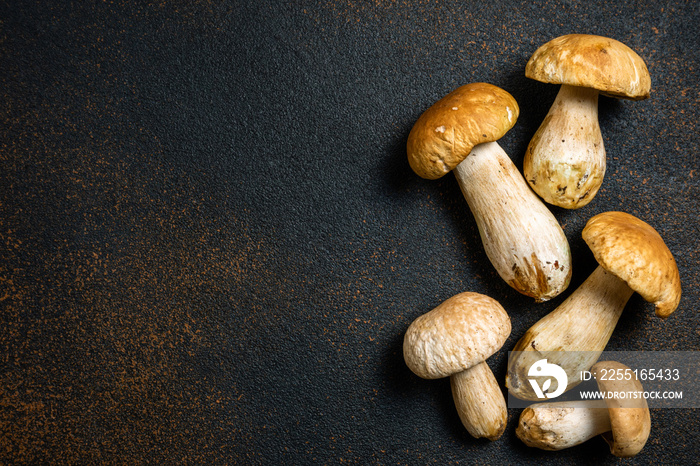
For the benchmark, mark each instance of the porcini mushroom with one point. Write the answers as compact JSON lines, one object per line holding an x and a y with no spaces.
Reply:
{"x":454,"y":340}
{"x":565,"y":160}
{"x":522,"y":239}
{"x":632,"y":256}
{"x":623,"y":420}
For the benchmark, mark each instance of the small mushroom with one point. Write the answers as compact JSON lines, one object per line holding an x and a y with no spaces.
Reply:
{"x":622,"y":421}
{"x":522,"y":239}
{"x":632,"y":256}
{"x":455,"y":339}
{"x":565,"y":161}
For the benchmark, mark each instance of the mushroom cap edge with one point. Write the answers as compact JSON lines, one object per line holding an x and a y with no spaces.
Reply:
{"x":633,"y":250}
{"x":631,"y":425}
{"x":444,"y":135}
{"x":459,"y":333}
{"x":597,"y":62}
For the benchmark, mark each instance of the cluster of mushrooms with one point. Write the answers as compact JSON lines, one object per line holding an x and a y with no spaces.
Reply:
{"x":564,"y":165}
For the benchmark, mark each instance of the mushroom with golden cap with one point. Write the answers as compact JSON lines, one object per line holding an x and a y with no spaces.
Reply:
{"x":632,"y":256}
{"x":565,"y":160}
{"x":522,"y":239}
{"x":622,"y":420}
{"x":454,"y":340}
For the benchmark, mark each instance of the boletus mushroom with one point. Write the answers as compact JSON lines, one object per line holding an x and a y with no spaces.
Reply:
{"x":565,"y":160}
{"x":632,"y":256}
{"x":454,"y":340}
{"x":623,"y":420}
{"x":522,"y":239}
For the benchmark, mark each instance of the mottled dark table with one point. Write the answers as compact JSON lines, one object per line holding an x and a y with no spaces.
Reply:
{"x":212,"y":243}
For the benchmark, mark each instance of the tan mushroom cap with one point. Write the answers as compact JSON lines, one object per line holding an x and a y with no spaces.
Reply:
{"x":445,"y":134}
{"x":461,"y":332}
{"x":634,"y":252}
{"x":629,"y":417}
{"x":591,"y":61}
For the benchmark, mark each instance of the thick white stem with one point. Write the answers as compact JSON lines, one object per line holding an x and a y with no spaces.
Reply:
{"x":573,"y":335}
{"x":522,"y":238}
{"x":479,"y":402}
{"x":565,"y":161}
{"x":555,"y":426}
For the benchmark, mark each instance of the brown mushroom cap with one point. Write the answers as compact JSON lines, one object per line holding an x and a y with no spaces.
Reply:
{"x":461,"y":332}
{"x":629,"y":417}
{"x":591,"y":61}
{"x":634,"y":252}
{"x":445,"y":134}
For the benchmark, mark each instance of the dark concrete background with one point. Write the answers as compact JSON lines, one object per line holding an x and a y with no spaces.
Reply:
{"x":212,"y":243}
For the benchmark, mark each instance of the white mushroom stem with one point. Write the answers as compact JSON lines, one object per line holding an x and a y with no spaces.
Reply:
{"x":522,"y":239}
{"x":479,"y":402}
{"x":555,"y":426}
{"x":573,"y":335}
{"x":565,"y":160}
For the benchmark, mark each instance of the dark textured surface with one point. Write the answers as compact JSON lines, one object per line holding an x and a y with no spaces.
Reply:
{"x":212,"y":243}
